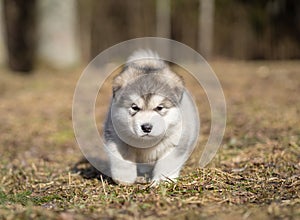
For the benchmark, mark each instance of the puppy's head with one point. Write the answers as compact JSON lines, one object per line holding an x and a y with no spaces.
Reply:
{"x":145,"y":103}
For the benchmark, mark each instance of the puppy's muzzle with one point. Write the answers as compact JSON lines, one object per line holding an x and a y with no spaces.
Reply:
{"x":146,"y":128}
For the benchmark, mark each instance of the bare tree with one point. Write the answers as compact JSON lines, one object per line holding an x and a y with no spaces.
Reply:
{"x":58,"y":30}
{"x":163,"y":18}
{"x":84,"y":10}
{"x":206,"y":26}
{"x":2,"y":42}
{"x":19,"y":18}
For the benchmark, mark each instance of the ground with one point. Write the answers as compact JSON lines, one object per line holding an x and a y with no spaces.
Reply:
{"x":255,"y":175}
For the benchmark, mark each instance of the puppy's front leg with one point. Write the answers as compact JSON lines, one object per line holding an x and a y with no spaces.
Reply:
{"x":122,"y":171}
{"x":167,"y":168}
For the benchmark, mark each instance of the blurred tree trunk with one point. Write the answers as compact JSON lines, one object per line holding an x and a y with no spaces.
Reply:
{"x":57,"y":27}
{"x":115,"y":21}
{"x":84,"y":11}
{"x":163,"y":23}
{"x":20,"y":19}
{"x":109,"y":24}
{"x":206,"y":28}
{"x":184,"y":22}
{"x":2,"y":38}
{"x":163,"y":18}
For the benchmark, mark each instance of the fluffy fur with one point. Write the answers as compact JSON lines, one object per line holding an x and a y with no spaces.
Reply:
{"x":152,"y":124}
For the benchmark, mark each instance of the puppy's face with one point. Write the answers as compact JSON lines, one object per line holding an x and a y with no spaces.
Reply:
{"x":143,"y":121}
{"x":145,"y":105}
{"x":151,"y":115}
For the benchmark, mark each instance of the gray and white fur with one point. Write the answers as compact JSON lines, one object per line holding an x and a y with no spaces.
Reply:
{"x":152,"y":125}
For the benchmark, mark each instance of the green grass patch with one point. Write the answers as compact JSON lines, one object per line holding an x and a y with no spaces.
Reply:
{"x":25,"y":198}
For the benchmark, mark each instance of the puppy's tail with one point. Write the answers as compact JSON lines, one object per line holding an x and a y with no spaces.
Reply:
{"x":145,"y":59}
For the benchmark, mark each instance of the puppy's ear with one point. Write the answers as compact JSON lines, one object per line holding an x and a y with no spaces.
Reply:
{"x":117,"y":85}
{"x":127,"y":75}
{"x":179,"y":92}
{"x":176,"y":82}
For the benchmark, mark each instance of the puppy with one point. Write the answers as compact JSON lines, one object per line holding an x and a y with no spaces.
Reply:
{"x":152,"y":124}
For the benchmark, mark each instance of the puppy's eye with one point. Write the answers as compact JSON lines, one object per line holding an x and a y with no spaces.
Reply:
{"x":159,"y":108}
{"x":134,"y":107}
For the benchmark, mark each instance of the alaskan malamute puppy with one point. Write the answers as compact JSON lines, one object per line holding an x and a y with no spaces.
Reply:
{"x":152,"y":125}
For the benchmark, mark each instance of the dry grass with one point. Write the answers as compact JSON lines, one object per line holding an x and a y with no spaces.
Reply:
{"x":256,"y":174}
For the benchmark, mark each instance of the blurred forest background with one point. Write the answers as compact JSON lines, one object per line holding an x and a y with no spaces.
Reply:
{"x":72,"y":32}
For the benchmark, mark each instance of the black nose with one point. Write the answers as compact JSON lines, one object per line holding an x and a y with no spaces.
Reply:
{"x":146,"y":127}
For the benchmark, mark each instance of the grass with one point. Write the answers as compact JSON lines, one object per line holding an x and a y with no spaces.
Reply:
{"x":255,"y":175}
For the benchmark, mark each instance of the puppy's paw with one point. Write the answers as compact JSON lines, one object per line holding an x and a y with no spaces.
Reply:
{"x":123,"y":173}
{"x":123,"y":183}
{"x":155,"y":183}
{"x":123,"y":179}
{"x":162,"y":178}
